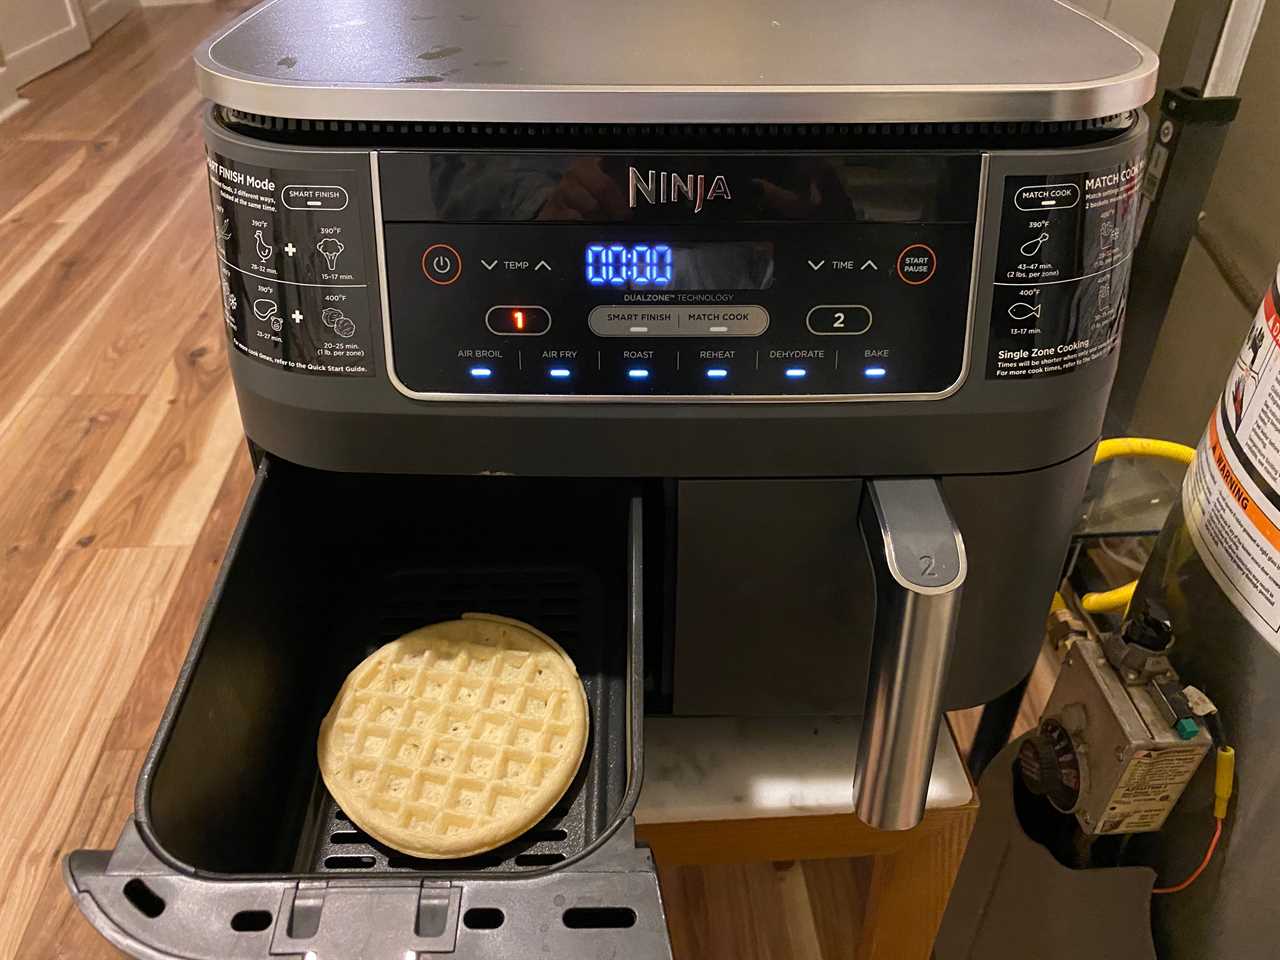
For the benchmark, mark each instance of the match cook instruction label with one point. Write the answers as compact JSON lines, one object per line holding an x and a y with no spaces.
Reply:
{"x":295,"y":288}
{"x":1062,"y":270}
{"x":1231,"y":493}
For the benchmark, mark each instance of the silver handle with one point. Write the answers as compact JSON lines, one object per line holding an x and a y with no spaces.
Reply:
{"x":918,"y":561}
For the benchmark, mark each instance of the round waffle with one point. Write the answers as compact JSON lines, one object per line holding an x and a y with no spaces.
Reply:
{"x":455,"y":738}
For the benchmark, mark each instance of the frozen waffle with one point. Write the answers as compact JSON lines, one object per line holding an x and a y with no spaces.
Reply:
{"x":455,"y":738}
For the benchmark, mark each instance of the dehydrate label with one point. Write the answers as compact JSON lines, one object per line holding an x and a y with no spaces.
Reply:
{"x":1062,"y":270}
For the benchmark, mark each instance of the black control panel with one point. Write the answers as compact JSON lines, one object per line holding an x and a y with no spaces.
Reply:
{"x":707,"y":276}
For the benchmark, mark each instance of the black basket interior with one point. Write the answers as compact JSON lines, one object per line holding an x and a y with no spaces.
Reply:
{"x":326,"y":568}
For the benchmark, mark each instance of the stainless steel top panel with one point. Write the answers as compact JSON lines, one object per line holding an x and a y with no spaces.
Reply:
{"x":675,"y":61}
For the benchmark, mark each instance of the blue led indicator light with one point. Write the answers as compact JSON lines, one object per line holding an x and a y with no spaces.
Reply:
{"x":481,"y":373}
{"x":717,"y":373}
{"x":796,"y":373}
{"x":874,"y":372}
{"x":560,"y":373}
{"x":638,"y":373}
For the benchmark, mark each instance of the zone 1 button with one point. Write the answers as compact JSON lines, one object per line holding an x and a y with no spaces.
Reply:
{"x":516,"y":320}
{"x":441,"y":263}
{"x":833,"y":320}
{"x":917,"y":264}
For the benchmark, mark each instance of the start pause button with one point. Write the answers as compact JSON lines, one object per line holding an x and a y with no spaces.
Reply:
{"x":917,"y":263}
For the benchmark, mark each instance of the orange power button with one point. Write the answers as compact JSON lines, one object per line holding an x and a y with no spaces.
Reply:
{"x":441,"y":263}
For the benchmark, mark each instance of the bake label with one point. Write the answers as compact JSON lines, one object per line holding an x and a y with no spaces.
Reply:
{"x":296,"y":290}
{"x":1062,"y":270}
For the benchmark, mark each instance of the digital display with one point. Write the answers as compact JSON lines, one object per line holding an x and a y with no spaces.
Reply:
{"x":730,"y":265}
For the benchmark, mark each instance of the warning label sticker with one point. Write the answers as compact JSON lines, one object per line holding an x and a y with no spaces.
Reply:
{"x":1230,"y":493}
{"x":1062,"y":270}
{"x":1150,"y":786}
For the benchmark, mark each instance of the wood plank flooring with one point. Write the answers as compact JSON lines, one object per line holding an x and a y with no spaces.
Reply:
{"x":122,"y":472}
{"x":121,"y":463}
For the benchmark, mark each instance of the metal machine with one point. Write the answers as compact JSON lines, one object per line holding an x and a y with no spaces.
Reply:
{"x":725,"y":344}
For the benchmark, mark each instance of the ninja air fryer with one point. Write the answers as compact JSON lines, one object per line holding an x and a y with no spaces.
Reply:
{"x":755,"y":354}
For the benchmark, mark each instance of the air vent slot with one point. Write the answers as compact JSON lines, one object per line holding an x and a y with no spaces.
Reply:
{"x":146,"y":900}
{"x":789,"y":136}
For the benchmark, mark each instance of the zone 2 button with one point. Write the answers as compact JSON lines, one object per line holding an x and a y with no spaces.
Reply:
{"x":832,"y":320}
{"x":516,"y":320}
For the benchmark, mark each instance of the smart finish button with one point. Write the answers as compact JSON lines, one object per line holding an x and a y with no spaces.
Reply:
{"x":441,"y":263}
{"x":916,"y":264}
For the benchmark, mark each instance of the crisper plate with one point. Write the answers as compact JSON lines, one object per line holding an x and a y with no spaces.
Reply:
{"x":567,"y":604}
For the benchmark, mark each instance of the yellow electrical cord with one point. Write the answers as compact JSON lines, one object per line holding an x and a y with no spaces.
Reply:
{"x":1110,"y":601}
{"x":1143,"y":447}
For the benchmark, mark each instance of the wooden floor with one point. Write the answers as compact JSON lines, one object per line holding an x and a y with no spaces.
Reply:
{"x":122,"y":471}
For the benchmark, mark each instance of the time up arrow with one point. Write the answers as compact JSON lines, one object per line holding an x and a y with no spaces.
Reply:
{"x":869,"y":263}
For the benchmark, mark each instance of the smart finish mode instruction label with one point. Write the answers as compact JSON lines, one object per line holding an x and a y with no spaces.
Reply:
{"x":295,"y":288}
{"x":1062,"y":270}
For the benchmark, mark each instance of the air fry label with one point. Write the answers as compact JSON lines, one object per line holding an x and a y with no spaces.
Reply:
{"x":1231,"y":494}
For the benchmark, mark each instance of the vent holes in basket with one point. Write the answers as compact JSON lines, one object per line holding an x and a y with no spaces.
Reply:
{"x":349,"y":863}
{"x":552,"y":835}
{"x":599,"y":918}
{"x":538,"y":859}
{"x":146,"y":900}
{"x":251,"y":921}
{"x":483,"y":918}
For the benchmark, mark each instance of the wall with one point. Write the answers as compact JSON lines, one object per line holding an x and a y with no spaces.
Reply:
{"x":1144,"y":19}
{"x":9,"y":101}
{"x":1241,"y":224}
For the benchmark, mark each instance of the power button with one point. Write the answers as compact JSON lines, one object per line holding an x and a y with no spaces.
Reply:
{"x":441,"y":263}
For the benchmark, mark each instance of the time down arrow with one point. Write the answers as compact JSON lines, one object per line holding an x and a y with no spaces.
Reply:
{"x":816,"y":264}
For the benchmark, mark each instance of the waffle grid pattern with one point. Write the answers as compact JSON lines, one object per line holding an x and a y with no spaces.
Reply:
{"x":442,"y":745}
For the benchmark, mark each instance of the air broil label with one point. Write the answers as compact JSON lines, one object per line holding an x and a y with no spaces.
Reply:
{"x":296,"y":291}
{"x":1062,"y":270}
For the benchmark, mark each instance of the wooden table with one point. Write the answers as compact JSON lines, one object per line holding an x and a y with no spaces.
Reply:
{"x":822,"y":887}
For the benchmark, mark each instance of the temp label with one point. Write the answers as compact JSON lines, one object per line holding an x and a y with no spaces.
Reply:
{"x":296,"y":291}
{"x":1231,"y":493}
{"x":1062,"y":270}
{"x":1150,"y":786}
